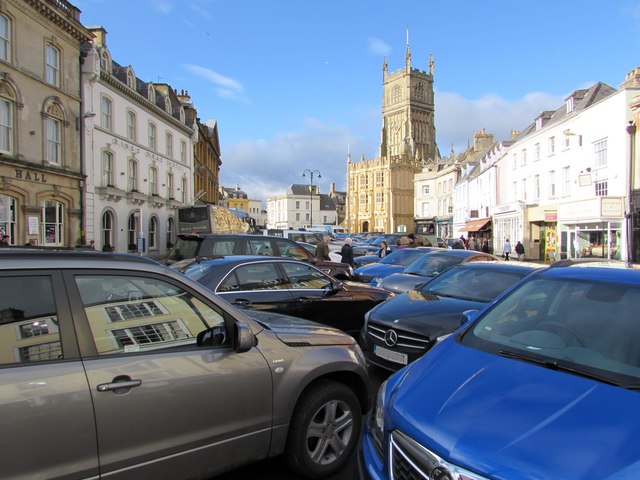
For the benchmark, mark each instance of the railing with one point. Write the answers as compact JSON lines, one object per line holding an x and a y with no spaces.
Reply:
{"x":68,"y":9}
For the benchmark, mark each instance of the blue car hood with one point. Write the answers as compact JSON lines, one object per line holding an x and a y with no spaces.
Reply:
{"x":512,"y":420}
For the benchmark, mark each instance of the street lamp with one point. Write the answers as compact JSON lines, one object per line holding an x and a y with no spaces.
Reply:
{"x":311,"y":174}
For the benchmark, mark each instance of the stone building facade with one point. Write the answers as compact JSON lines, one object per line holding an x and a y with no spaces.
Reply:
{"x":139,"y":146}
{"x":380,"y":192}
{"x":206,"y":161}
{"x":41,"y":174}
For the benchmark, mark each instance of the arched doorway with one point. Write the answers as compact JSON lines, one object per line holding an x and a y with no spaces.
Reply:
{"x":365,"y":226}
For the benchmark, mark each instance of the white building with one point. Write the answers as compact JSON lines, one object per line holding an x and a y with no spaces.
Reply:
{"x":298,"y":208}
{"x":563,"y":183}
{"x":138,"y":142}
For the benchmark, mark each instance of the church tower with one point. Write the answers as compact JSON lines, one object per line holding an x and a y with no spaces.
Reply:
{"x":380,"y":192}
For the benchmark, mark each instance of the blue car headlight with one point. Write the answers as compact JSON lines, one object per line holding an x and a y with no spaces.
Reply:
{"x":376,"y":420}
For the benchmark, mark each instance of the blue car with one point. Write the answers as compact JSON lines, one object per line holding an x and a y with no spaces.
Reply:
{"x":396,"y":261}
{"x":541,"y":384}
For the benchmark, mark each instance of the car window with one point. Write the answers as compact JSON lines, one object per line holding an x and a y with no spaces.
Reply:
{"x":131,"y":313}
{"x":472,"y":284}
{"x":432,"y":265}
{"x":291,"y":250}
{"x":221,"y":247}
{"x":28,"y":320}
{"x":259,"y":247}
{"x":305,"y":277}
{"x":255,"y":276}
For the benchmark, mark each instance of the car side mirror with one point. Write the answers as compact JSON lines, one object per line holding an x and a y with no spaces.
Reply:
{"x":468,"y":316}
{"x":244,"y":339}
{"x":212,"y":337}
{"x":333,"y":288}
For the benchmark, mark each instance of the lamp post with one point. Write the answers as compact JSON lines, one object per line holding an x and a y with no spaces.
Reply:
{"x":311,"y":174}
{"x":631,"y":130}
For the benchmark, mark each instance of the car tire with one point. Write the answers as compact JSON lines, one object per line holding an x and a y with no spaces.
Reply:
{"x":324,"y":431}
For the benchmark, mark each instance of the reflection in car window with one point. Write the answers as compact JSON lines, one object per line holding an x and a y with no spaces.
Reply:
{"x":28,"y":320}
{"x":472,"y":284}
{"x":305,"y":277}
{"x":291,"y":250}
{"x":130,"y":314}
{"x":433,"y":264}
{"x":591,"y":324}
{"x":254,"y":276}
{"x":222,"y":247}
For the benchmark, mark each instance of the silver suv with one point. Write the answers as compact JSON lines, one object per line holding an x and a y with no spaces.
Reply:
{"x":115,"y":366}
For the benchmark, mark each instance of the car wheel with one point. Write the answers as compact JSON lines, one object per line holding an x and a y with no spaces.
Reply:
{"x":324,"y":430}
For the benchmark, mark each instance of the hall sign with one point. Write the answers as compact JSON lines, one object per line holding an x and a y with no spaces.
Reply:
{"x":30,"y":176}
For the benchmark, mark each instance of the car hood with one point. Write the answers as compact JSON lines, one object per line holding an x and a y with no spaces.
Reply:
{"x":364,"y":288}
{"x":378,"y":269}
{"x":508,"y":419}
{"x":402,"y":282}
{"x":423,"y":313}
{"x":299,"y":332}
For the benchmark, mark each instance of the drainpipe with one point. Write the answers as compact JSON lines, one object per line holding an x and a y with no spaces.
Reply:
{"x":631,"y":130}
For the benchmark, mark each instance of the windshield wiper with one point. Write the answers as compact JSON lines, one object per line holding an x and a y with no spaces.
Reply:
{"x":554,"y":365}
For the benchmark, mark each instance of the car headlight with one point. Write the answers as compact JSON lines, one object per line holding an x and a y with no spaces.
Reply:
{"x":376,"y":420}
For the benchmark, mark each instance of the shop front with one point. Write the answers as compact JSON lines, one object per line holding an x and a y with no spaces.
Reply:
{"x":593,"y":228}
{"x":480,"y":230}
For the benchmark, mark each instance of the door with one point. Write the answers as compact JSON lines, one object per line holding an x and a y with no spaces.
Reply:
{"x":48,"y":428}
{"x":165,"y":407}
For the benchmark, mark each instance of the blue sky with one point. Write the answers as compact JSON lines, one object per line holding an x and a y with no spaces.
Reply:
{"x":293,"y":83}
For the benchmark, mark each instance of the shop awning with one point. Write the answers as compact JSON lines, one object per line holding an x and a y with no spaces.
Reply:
{"x":476,"y":225}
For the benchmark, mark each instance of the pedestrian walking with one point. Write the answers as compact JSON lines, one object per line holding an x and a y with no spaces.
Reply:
{"x":506,"y":250}
{"x":520,"y":250}
{"x":485,"y":246}
{"x":322,"y":250}
{"x":347,"y":252}
{"x":472,"y":243}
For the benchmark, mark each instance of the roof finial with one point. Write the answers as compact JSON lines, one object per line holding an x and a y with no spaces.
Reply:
{"x":408,"y":54}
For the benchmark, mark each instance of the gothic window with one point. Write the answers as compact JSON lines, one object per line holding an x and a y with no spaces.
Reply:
{"x":379,"y":179}
{"x":396,"y":94}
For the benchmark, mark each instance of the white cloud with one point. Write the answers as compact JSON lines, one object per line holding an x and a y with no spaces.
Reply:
{"x":163,"y":6}
{"x":266,"y":167}
{"x":379,"y":47}
{"x":227,"y":88}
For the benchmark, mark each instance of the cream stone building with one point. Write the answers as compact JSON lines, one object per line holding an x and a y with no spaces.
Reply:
{"x":380,"y":192}
{"x":41,"y":175}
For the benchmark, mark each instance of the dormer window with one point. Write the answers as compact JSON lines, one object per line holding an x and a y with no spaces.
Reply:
{"x":167,"y":104}
{"x":538,"y":123}
{"x":131,"y":79}
{"x":152,"y":94}
{"x":570,"y":104}
{"x":105,"y":62}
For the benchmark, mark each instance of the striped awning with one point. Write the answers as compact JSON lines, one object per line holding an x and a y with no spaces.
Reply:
{"x":476,"y":225}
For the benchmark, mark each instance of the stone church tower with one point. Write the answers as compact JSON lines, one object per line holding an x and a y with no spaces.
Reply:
{"x":380,"y":194}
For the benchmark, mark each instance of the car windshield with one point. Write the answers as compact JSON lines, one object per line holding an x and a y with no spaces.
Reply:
{"x":402,"y":256}
{"x":586,"y":327}
{"x":432,"y":265}
{"x":476,"y":284}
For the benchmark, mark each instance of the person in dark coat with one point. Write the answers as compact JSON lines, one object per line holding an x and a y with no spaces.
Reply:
{"x":485,"y":246}
{"x":322,"y":250}
{"x":520,"y":250}
{"x":384,"y":249}
{"x":347,"y":252}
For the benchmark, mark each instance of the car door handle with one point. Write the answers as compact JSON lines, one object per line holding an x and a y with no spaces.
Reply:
{"x":242,"y":301}
{"x":119,"y":384}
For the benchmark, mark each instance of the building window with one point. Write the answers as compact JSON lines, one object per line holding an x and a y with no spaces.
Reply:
{"x":379,"y":179}
{"x":153,"y":181}
{"x":396,"y":94}
{"x":184,"y":189}
{"x":107,"y":169}
{"x":52,"y":65}
{"x":552,"y":183}
{"x":132,"y":175}
{"x":170,"y":232}
{"x":536,"y":187}
{"x":552,"y":145}
{"x":106,"y":120}
{"x":6,"y":125}
{"x":425,"y":209}
{"x":5,"y":39}
{"x":536,"y":152}
{"x":364,"y":181}
{"x":169,"y":142}
{"x":107,"y":231}
{"x":524,"y":189}
{"x":132,"y":228}
{"x":523,"y":157}
{"x":600,"y":151}
{"x":297,"y":204}
{"x":297,"y":217}
{"x":425,"y":189}
{"x":153,"y":141}
{"x":514,"y":190}
{"x":364,"y":199}
{"x":450,"y":184}
{"x":170,"y":194}
{"x":8,"y":217}
{"x":53,"y":223}
{"x":514,"y":161}
{"x":131,"y":80}
{"x":379,"y":200}
{"x":153,"y":233}
{"x":183,"y":151}
{"x":602,"y":188}
{"x":566,"y":180}
{"x":53,"y":143}
{"x":132,"y":129}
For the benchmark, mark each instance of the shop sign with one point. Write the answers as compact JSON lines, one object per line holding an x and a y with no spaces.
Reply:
{"x":30,"y":176}
{"x":550,"y":216}
{"x":611,"y":207}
